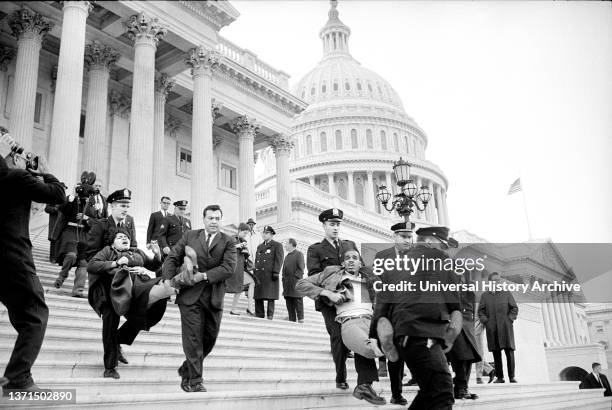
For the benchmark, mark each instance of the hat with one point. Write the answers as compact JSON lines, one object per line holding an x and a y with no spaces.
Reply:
{"x":403,"y":227}
{"x":243,"y":227}
{"x":333,"y":214}
{"x":251,"y":221}
{"x":440,"y":232}
{"x":121,"y":195}
{"x":180,"y":203}
{"x":269,"y":229}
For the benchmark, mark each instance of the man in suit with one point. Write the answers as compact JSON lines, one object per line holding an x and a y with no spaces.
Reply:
{"x":596,"y":380}
{"x":173,"y":227}
{"x":96,"y":207}
{"x":293,"y":270}
{"x":21,"y":291}
{"x":157,"y":218}
{"x":268,"y":262}
{"x":497,"y":311}
{"x":201,"y":305}
{"x":253,"y":239}
{"x":320,"y":255}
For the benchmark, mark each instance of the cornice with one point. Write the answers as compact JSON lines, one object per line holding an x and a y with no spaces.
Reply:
{"x":219,"y":14}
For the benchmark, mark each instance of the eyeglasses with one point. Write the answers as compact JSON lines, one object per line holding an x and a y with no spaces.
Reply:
{"x":166,"y":203}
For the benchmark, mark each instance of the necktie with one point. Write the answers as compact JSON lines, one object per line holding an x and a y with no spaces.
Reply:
{"x":336,"y":245}
{"x":121,"y":224}
{"x":208,"y":239}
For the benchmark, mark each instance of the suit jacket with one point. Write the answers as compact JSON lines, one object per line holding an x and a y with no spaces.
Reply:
{"x":218,"y":261}
{"x":322,"y":254}
{"x":97,"y":235}
{"x":268,"y":262}
{"x":590,"y":382}
{"x":293,"y":270}
{"x":90,"y":208}
{"x":155,"y":222}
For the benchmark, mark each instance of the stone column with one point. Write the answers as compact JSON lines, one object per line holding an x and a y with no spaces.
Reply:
{"x":554,"y":326}
{"x":369,"y":191}
{"x":146,"y":33}
{"x":202,"y":63}
{"x":559,"y":319}
{"x":570,"y":319}
{"x":433,"y":203}
{"x":98,"y":59}
{"x":440,"y":205}
{"x":282,"y":145}
{"x":6,"y":55}
{"x":331,"y":183}
{"x":246,"y":128}
{"x":576,"y":321}
{"x":119,"y":108}
{"x":389,"y":183}
{"x":351,"y":187}
{"x":30,"y":28}
{"x":163,"y":85}
{"x":546,"y":321}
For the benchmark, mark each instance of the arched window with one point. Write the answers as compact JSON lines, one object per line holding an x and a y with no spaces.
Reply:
{"x":309,"y":145}
{"x":338,"y":139}
{"x":358,"y":86}
{"x":395,"y":142}
{"x":323,"y":142}
{"x":342,"y":192}
{"x":335,"y":86}
{"x":369,"y":141}
{"x":383,"y":140}
{"x":359,"y":188}
{"x":347,"y":86}
{"x":354,"y":142}
{"x":323,"y":88}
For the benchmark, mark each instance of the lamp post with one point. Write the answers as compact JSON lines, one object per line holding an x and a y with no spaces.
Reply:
{"x":409,"y":198}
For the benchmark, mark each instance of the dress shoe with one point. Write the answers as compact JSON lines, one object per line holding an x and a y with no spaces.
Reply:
{"x":111,"y":373}
{"x":10,"y":388}
{"x":80,"y":294}
{"x":465,"y":395}
{"x":367,"y":393}
{"x":250,"y":313}
{"x":498,"y":380}
{"x":234,"y":313}
{"x":473,"y":396}
{"x":479,"y":380}
{"x":350,"y":355}
{"x":121,"y":357}
{"x":58,"y":283}
{"x":513,"y":380}
{"x":382,"y":371}
{"x":410,"y":382}
{"x":385,"y":335}
{"x":196,"y":388}
{"x":342,"y":385}
{"x":401,"y":400}
{"x":300,"y":320}
{"x":491,"y":377}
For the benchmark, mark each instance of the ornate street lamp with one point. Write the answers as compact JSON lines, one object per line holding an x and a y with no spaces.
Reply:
{"x":409,"y":198}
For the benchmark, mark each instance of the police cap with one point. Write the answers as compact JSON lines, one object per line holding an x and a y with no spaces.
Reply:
{"x":334,"y":215}
{"x":180,"y":203}
{"x":121,"y":195}
{"x":269,"y":229}
{"x":403,"y":227}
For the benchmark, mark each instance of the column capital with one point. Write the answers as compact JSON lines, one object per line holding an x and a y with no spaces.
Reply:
{"x":164,"y":84}
{"x":6,"y":55}
{"x":27,"y":23}
{"x":245,"y":126}
{"x":120,"y":104}
{"x":142,"y":28}
{"x":281,"y":144}
{"x":202,"y":61}
{"x":215,"y":109}
{"x":99,"y":56}
{"x":172,"y":124}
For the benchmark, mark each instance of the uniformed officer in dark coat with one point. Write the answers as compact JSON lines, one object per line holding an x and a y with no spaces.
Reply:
{"x":268,"y":262}
{"x":173,"y":227}
{"x":464,"y":351}
{"x":425,"y":323}
{"x":21,"y":291}
{"x":319,"y":256}
{"x":157,"y":218}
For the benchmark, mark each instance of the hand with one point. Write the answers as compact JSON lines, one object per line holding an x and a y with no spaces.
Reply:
{"x":334,"y":297}
{"x":154,"y":247}
{"x":136,"y":270}
{"x":79,"y":216}
{"x":123,"y":261}
{"x":166,"y":250}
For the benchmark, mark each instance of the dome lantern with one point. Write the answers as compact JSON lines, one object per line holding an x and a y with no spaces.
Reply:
{"x":335,"y":34}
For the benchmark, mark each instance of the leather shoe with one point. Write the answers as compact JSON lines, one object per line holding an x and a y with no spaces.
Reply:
{"x":479,"y":380}
{"x":498,"y":380}
{"x":80,"y":294}
{"x":8,"y":388}
{"x":197,"y":388}
{"x":111,"y":373}
{"x":385,"y":335}
{"x":121,"y":357}
{"x":513,"y":380}
{"x":250,"y":313}
{"x":491,"y":376}
{"x":367,"y":393}
{"x":342,"y":385}
{"x":410,"y":382}
{"x":401,"y":400}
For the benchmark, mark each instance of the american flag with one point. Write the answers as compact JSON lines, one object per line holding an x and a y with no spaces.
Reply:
{"x":515,"y":187}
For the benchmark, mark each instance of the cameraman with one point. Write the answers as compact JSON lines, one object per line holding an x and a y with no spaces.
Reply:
{"x":21,"y":291}
{"x":243,"y":273}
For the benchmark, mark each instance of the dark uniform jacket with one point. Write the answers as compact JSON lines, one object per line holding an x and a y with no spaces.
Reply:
{"x":72,"y":232}
{"x":497,"y":311}
{"x":590,"y":382}
{"x":268,"y":262}
{"x":293,"y":270}
{"x":20,"y":189}
{"x":465,"y":347}
{"x":171,"y":230}
{"x":155,"y":222}
{"x":417,"y":313}
{"x":218,"y":261}
{"x":90,"y":208}
{"x":97,"y":235}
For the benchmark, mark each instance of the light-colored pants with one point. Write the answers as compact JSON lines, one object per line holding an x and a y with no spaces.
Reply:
{"x":355,"y":336}
{"x":482,"y":365}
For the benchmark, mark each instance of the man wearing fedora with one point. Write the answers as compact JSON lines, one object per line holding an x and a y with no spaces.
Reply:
{"x":173,"y":227}
{"x":253,"y":239}
{"x":268,"y":262}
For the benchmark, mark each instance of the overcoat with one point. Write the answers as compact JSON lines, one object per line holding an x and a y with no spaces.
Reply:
{"x":235,"y":284}
{"x":268,"y":262}
{"x":465,"y":347}
{"x":293,"y":270}
{"x":497,"y":312}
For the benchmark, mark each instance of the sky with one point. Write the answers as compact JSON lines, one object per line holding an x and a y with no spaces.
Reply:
{"x":502,"y":89}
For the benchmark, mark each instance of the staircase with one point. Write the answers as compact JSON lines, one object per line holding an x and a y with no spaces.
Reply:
{"x":256,"y":364}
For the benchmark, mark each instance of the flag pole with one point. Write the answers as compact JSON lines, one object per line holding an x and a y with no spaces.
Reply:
{"x":525,"y":205}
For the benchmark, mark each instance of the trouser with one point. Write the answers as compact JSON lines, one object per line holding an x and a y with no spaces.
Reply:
{"x":462,"y":369}
{"x":355,"y":336}
{"x":24,"y":298}
{"x":396,"y":374}
{"x":52,"y":250}
{"x":482,"y":367}
{"x":250,"y":283}
{"x":499,"y":370}
{"x":200,"y":323}
{"x":259,"y":308}
{"x":113,"y":335}
{"x":429,"y":367}
{"x":295,"y":307}
{"x":339,"y":350}
{"x":80,"y":275}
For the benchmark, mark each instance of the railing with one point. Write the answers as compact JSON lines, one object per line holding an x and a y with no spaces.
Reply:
{"x":249,"y":60}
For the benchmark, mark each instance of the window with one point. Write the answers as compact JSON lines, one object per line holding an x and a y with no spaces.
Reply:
{"x":406,"y":143}
{"x":395,"y":142}
{"x":383,"y":140}
{"x":335,"y":86}
{"x":347,"y":86}
{"x":323,"y":88}
{"x":599,"y":329}
{"x":338,"y":139}
{"x":369,"y":140}
{"x":358,"y":86}
{"x":308,"y":144}
{"x":312,"y":91}
{"x":183,"y":167}
{"x":38,"y":108}
{"x":323,"y":142}
{"x":227,"y":177}
{"x":354,"y":142}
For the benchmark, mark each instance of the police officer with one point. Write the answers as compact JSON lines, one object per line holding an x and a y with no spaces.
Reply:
{"x":268,"y":262}
{"x":320,"y":255}
{"x":173,"y":227}
{"x":425,"y":323}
